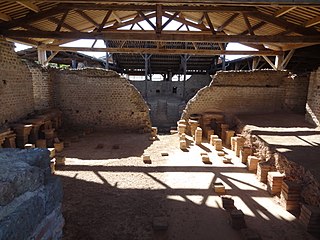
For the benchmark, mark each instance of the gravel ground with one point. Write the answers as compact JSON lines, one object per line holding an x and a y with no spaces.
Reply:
{"x":109,"y":193}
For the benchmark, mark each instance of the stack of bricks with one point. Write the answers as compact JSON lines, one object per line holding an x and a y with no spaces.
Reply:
{"x":224,"y":129}
{"x":310,"y":219}
{"x":183,"y":141}
{"x":233,"y":143}
{"x":34,"y":133}
{"x":262,"y":171}
{"x":274,"y":182}
{"x":146,"y":158}
{"x":290,"y":195}
{"x":239,"y":143}
{"x":227,"y":203}
{"x":219,"y":188}
{"x":198,"y":136}
{"x":245,"y":152}
{"x":182,"y":125}
{"x":193,"y":126}
{"x":236,"y":219}
{"x":212,"y":138}
{"x":154,"y":133}
{"x":209,"y":132}
{"x":218,"y":144}
{"x":229,"y":135}
{"x":252,"y":163}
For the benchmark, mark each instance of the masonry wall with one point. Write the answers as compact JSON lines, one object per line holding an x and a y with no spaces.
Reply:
{"x":313,"y":102}
{"x":42,"y":86}
{"x":101,"y":98}
{"x":166,"y":88}
{"x":260,"y":91}
{"x":30,"y":196}
{"x":16,"y":93}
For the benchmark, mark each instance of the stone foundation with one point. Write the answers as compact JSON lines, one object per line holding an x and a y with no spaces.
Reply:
{"x":30,"y":197}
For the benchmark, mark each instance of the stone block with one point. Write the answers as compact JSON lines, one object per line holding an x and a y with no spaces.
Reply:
{"x":218,"y":144}
{"x":183,"y":144}
{"x":212,"y":138}
{"x":146,"y":158}
{"x":219,"y":188}
{"x":58,"y":146}
{"x":206,"y":159}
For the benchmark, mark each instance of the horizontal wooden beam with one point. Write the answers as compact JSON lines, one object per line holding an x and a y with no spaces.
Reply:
{"x":177,"y":36}
{"x":283,"y":11}
{"x":191,"y":8}
{"x":231,"y":2}
{"x":161,"y":51}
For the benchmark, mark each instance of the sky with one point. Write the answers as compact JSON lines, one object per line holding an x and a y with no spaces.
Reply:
{"x":172,"y":26}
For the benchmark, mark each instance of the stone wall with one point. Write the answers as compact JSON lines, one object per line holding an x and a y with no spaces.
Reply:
{"x":173,"y":88}
{"x":30,"y":197}
{"x":313,"y":102}
{"x":101,"y":98}
{"x":260,"y":91}
{"x":16,"y":94}
{"x":42,"y":86}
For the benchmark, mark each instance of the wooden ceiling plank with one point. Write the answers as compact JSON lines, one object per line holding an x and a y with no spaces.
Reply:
{"x":5,"y":17}
{"x":29,"y":5}
{"x":88,"y":18}
{"x":283,"y":11}
{"x":104,"y":21}
{"x":227,"y":22}
{"x":255,"y":27}
{"x":312,"y":22}
{"x":116,"y":17}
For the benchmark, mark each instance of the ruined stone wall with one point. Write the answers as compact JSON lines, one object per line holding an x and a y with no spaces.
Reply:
{"x":173,"y":88}
{"x":101,"y":98}
{"x":42,"y":86}
{"x":260,"y":91}
{"x":30,"y":196}
{"x":16,"y":93}
{"x":313,"y":102}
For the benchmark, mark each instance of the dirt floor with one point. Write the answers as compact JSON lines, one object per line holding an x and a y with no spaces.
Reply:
{"x":109,"y":193}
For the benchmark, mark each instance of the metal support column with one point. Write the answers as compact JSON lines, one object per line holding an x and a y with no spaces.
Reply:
{"x":184,"y":59}
{"x":146,"y":58}
{"x":106,"y":43}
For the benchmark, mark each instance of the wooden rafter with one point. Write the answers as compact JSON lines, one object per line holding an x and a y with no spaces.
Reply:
{"x":63,"y":24}
{"x":206,"y":15}
{"x":186,"y":22}
{"x":253,"y":28}
{"x":170,"y":19}
{"x":88,"y":18}
{"x":281,"y":23}
{"x":101,"y":26}
{"x":192,"y":36}
{"x":247,"y":22}
{"x":5,"y":17}
{"x":227,"y":22}
{"x":63,"y":18}
{"x":147,"y":19}
{"x":312,"y":22}
{"x":116,"y":17}
{"x":283,"y":11}
{"x":29,"y":5}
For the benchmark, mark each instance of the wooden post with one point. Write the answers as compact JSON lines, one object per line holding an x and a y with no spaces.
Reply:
{"x":279,"y":61}
{"x":42,"y":56}
{"x":107,"y":55}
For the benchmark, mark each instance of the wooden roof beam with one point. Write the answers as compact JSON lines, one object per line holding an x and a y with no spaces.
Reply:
{"x":29,"y":5}
{"x":63,"y":24}
{"x":147,"y":19}
{"x":282,"y":23}
{"x":227,"y":22}
{"x":63,"y":18}
{"x":283,"y":11}
{"x":170,"y":19}
{"x":86,"y":17}
{"x":161,"y":51}
{"x":312,"y":22}
{"x":116,"y":17}
{"x":186,"y":22}
{"x":177,"y":36}
{"x":247,"y":22}
{"x":137,"y":19}
{"x":5,"y":17}
{"x":159,"y":18}
{"x":206,"y":15}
